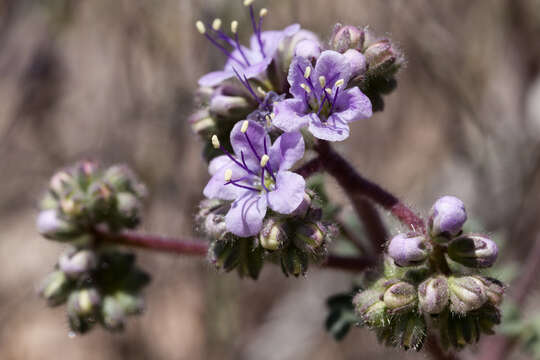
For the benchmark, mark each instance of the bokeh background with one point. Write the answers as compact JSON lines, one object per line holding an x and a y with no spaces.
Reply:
{"x":113,"y":81}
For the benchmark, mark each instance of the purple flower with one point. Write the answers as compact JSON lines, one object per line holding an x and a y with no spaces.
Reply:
{"x":321,"y":100}
{"x":256,"y":176}
{"x":447,"y":217}
{"x":244,"y":61}
{"x":409,"y":249}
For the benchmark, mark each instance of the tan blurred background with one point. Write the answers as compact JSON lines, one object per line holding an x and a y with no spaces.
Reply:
{"x":113,"y":81}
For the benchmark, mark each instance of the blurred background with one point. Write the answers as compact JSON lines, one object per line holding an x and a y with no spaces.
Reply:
{"x":114,"y":80}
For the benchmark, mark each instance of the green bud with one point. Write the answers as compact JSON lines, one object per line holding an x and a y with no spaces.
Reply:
{"x":131,"y":304}
{"x":51,"y":225}
{"x":84,"y":302}
{"x":494,"y":289}
{"x":202,"y":123}
{"x":400,"y":297}
{"x":224,"y":254}
{"x":113,"y":314}
{"x":122,"y":179}
{"x":55,"y":288}
{"x":129,"y":208}
{"x":433,"y":295}
{"x":411,"y":332}
{"x":310,"y":235}
{"x":473,"y":251}
{"x":370,"y":308}
{"x":466,"y":294}
{"x":272,"y":236}
{"x":75,"y":263}
{"x":294,"y":261}
{"x":61,"y":183}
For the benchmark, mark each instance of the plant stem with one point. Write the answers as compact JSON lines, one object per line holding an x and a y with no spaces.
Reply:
{"x":433,"y":347}
{"x":498,"y":347}
{"x":198,"y":247}
{"x":358,"y":188}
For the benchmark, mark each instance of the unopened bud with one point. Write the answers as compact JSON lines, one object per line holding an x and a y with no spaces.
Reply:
{"x":311,"y":234}
{"x":76,"y":263}
{"x":400,"y":296}
{"x":466,"y":294}
{"x":52,"y":226}
{"x":294,"y":262}
{"x":347,"y":37}
{"x":84,"y":302}
{"x":409,"y":249}
{"x":308,"y":48}
{"x":230,"y":106}
{"x":55,"y":288}
{"x":370,"y":307}
{"x":494,"y":289}
{"x":356,"y":61}
{"x":132,"y":304}
{"x":61,"y":183}
{"x":272,"y":235}
{"x":433,"y":295}
{"x":412,"y":332}
{"x":383,"y":57}
{"x":446,"y":218}
{"x":113,"y":314}
{"x":202,"y":123}
{"x":473,"y":251}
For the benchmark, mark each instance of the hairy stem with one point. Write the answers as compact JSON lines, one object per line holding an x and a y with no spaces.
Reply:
{"x":359,"y":189}
{"x":498,"y":347}
{"x":198,"y":247}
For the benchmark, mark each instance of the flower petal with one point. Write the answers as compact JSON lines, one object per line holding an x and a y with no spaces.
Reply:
{"x":288,"y":194}
{"x":216,"y":188}
{"x":353,"y":105}
{"x":246,"y":215}
{"x":272,"y":38}
{"x":332,"y":130}
{"x":241,"y":145}
{"x":215,"y":77}
{"x":287,"y":150}
{"x":333,"y":66}
{"x":296,"y":76}
{"x":290,"y":114}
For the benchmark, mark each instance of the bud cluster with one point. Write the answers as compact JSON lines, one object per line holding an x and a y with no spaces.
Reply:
{"x":420,"y":291}
{"x":292,"y":241}
{"x":98,"y":283}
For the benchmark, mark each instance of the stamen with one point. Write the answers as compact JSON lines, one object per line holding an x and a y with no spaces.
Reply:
{"x":322,"y":81}
{"x":200,"y":27}
{"x":328,"y":91}
{"x":307,"y":73}
{"x":263,"y":12}
{"x":234,"y":182}
{"x":261,"y":91}
{"x":334,"y":101}
{"x":234,"y":26}
{"x":228,"y":175}
{"x":215,"y":142}
{"x":306,"y":88}
{"x":244,"y":127}
{"x":216,"y":25}
{"x":247,"y":85}
{"x":340,"y":82}
{"x":264,"y":160}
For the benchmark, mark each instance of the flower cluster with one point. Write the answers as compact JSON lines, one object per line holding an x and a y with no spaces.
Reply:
{"x":432,"y":281}
{"x":99,"y":283}
{"x":260,"y":116}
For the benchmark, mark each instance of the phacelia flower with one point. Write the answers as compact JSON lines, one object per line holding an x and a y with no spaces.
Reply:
{"x":321,"y":100}
{"x":256,"y":176}
{"x":248,"y":62}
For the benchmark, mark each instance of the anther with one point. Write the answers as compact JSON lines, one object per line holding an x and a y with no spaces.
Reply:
{"x":306,"y":88}
{"x":307,"y":73}
{"x":234,"y":26}
{"x":228,"y":175}
{"x":248,"y":2}
{"x":215,"y":142}
{"x":322,"y":81}
{"x":263,"y":12}
{"x":264,"y":160}
{"x":328,"y":91}
{"x":216,"y":25}
{"x":244,"y":127}
{"x":340,"y":82}
{"x":200,"y":27}
{"x":261,"y":91}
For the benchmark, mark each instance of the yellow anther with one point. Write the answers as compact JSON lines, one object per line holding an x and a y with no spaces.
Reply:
{"x":264,"y":160}
{"x":248,"y":2}
{"x":272,"y":116}
{"x":234,"y":26}
{"x":263,"y":12}
{"x":307,"y":72}
{"x":216,"y":25}
{"x":200,"y":27}
{"x":261,"y":91}
{"x":340,"y":82}
{"x":328,"y":91}
{"x":215,"y":142}
{"x":228,"y":175}
{"x":244,"y":127}
{"x":322,"y":81}
{"x":306,"y":88}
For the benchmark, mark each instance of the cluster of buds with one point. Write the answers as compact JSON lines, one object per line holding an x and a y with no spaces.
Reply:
{"x":292,"y":241}
{"x":380,"y":61}
{"x":99,"y":283}
{"x":431,"y":281}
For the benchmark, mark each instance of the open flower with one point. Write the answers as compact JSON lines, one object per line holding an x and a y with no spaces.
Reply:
{"x":256,"y":176}
{"x":243,"y":61}
{"x":321,"y":100}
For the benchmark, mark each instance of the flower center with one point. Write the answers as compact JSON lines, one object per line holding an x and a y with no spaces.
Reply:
{"x":321,"y":102}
